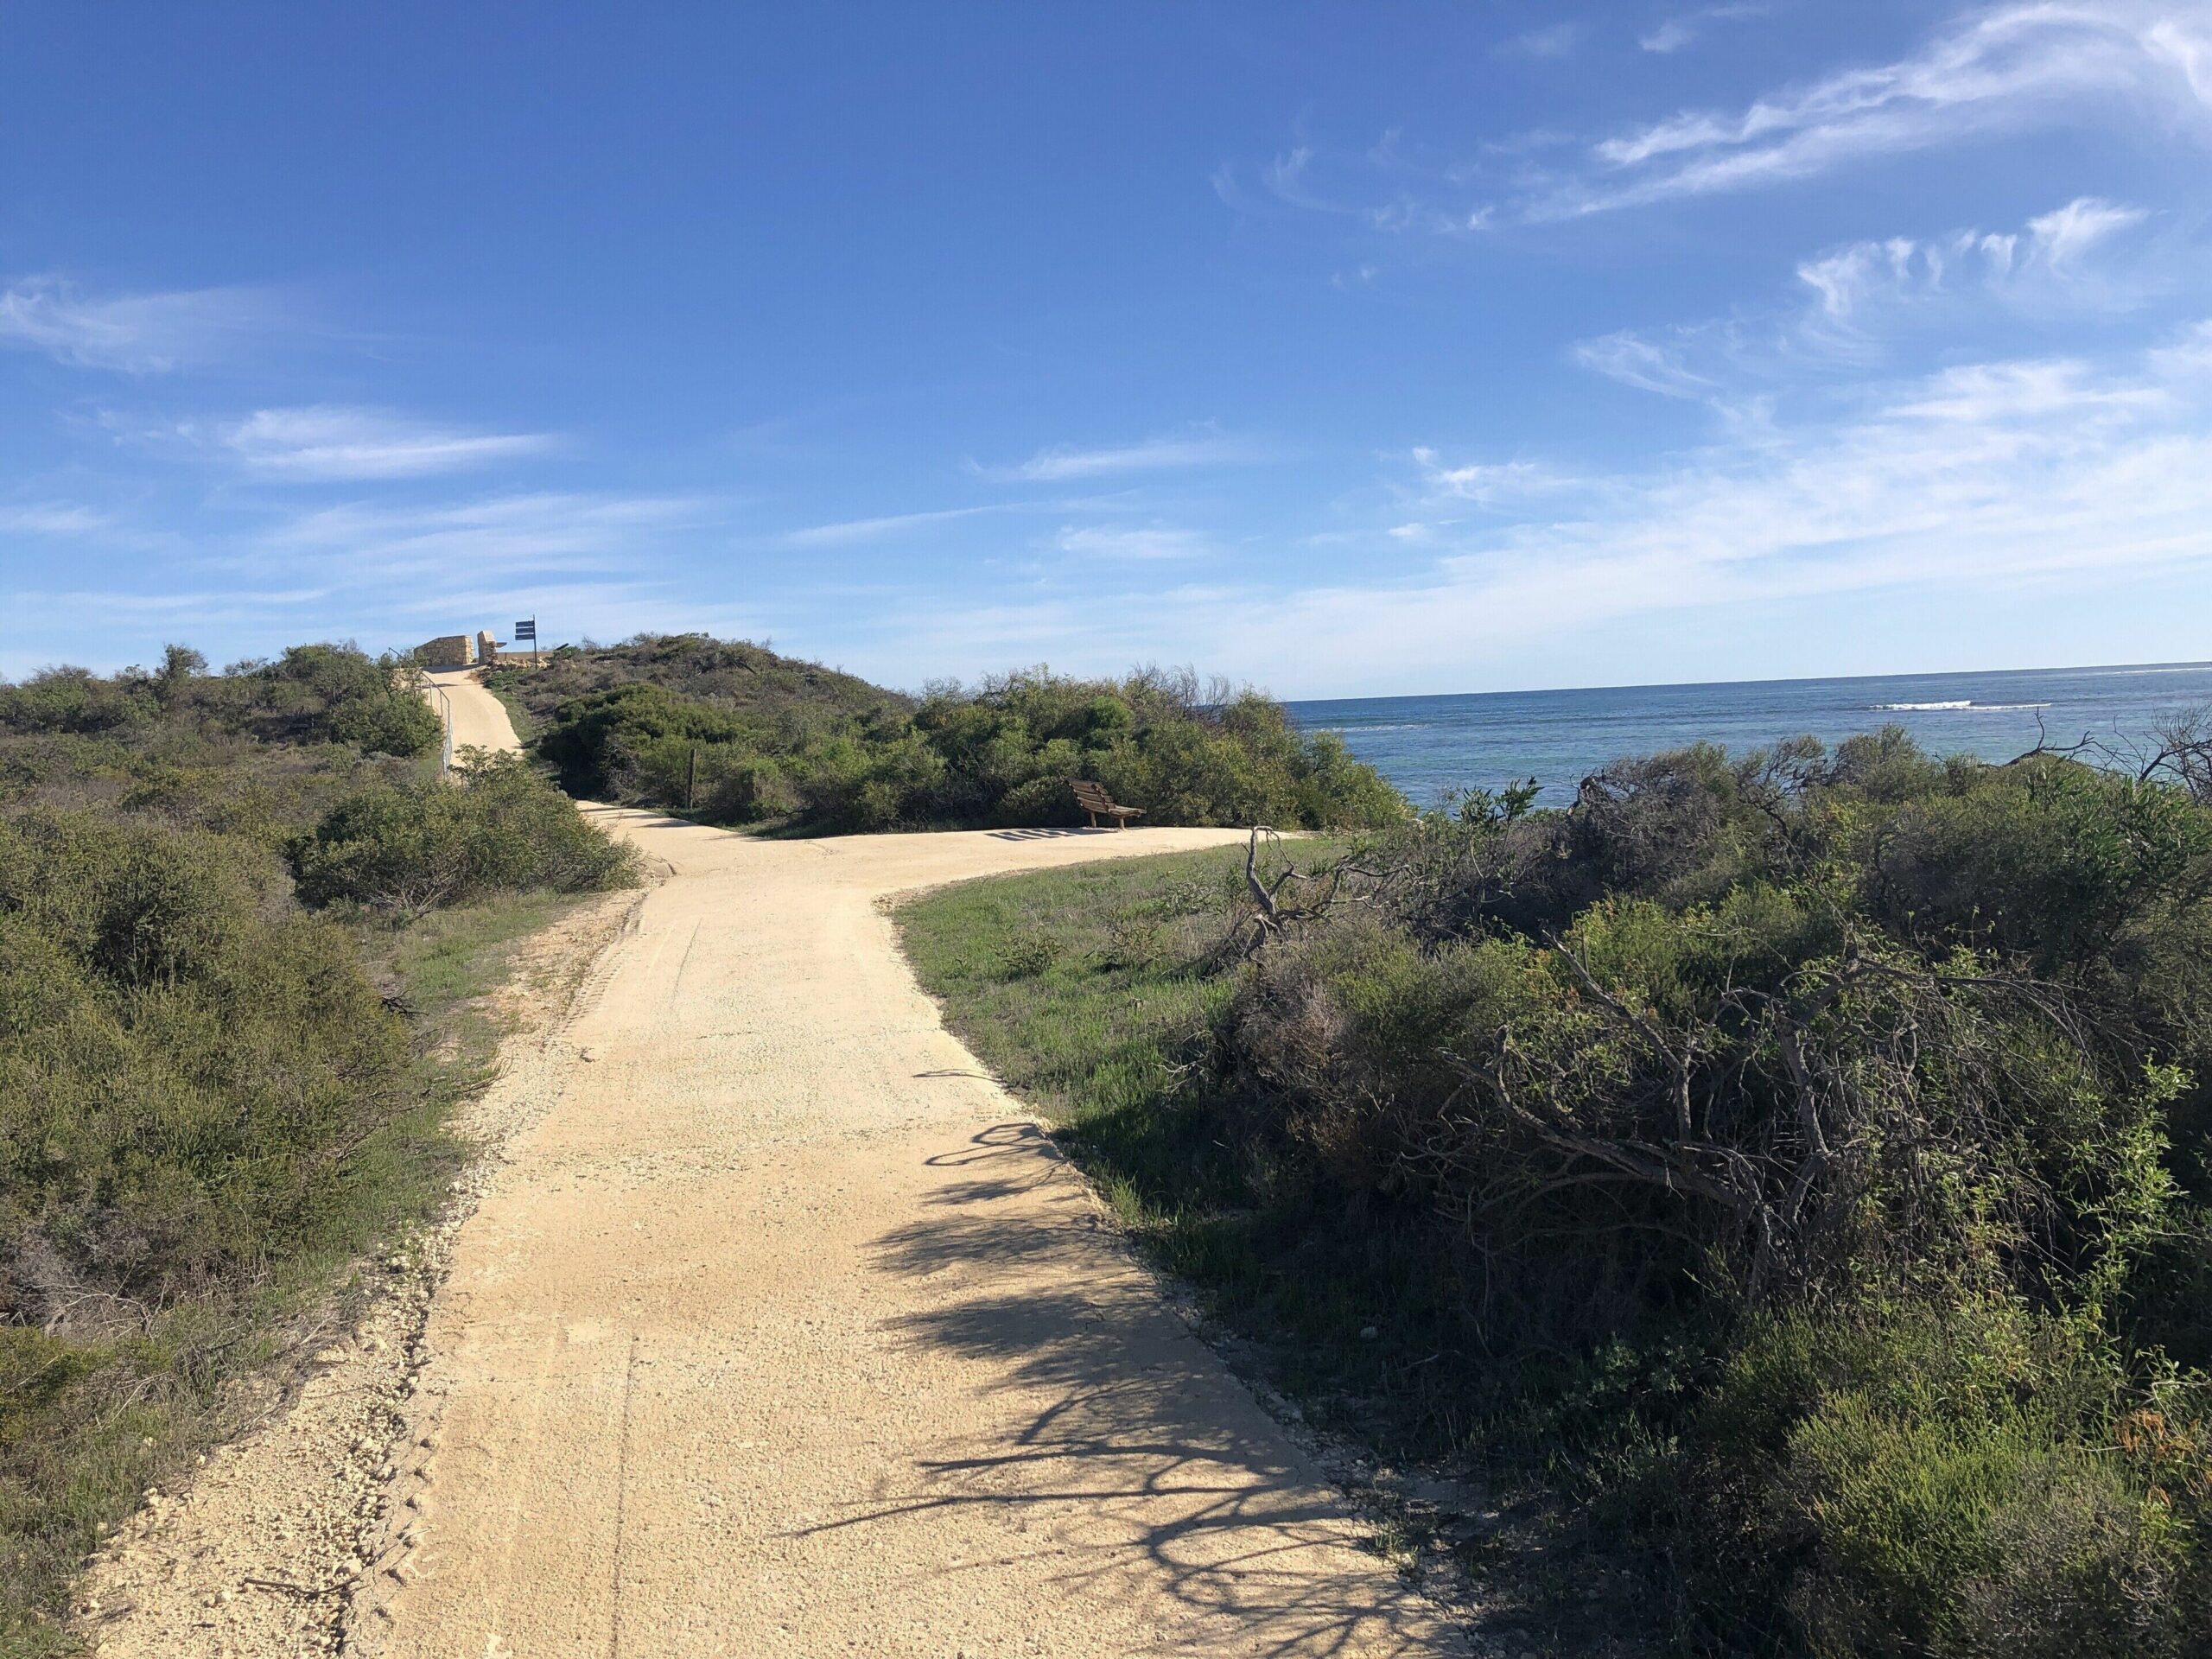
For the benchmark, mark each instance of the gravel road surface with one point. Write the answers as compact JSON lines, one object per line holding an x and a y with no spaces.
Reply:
{"x":782,"y":1330}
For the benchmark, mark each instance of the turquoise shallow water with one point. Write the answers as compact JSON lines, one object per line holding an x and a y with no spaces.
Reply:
{"x":1427,"y":746}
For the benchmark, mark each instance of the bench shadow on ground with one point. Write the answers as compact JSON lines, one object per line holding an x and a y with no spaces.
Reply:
{"x":1111,"y":1431}
{"x":1042,"y":834}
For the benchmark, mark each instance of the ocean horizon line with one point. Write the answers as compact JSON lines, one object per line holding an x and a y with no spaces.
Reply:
{"x":1779,"y":679}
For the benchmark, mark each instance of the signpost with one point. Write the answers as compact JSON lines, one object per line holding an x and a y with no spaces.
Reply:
{"x":528,"y":630}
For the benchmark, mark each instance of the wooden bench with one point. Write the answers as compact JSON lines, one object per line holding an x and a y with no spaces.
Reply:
{"x":1093,"y":800}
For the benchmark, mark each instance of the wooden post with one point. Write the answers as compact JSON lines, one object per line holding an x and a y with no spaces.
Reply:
{"x":691,"y":779}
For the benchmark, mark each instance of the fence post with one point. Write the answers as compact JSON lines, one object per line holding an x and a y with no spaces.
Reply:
{"x":691,"y":779}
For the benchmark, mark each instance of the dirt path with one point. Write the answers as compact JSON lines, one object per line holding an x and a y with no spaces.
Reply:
{"x":788,"y":1332}
{"x":782,"y":1331}
{"x":480,"y":720}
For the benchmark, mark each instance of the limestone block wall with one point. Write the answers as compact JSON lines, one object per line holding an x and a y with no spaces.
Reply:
{"x":448,"y":650}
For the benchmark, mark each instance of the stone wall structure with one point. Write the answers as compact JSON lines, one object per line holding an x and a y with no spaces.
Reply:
{"x":448,"y":650}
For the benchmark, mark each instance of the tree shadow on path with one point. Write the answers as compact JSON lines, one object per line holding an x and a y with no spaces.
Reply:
{"x":1103,"y":1423}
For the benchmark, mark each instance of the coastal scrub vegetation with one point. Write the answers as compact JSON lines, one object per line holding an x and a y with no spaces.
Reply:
{"x":417,"y":845}
{"x":226,"y":1061}
{"x":734,"y":735}
{"x":1796,"y":1164}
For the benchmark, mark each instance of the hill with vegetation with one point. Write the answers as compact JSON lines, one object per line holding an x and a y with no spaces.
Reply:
{"x":220,"y":1075}
{"x":735,"y":734}
{"x":1795,"y":1164}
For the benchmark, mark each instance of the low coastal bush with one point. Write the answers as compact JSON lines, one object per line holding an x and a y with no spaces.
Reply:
{"x":337,"y":695}
{"x":184,"y":1058}
{"x":1796,"y":1162}
{"x":200,"y":1086}
{"x":497,"y":826}
{"x":312,"y":694}
{"x":684,"y":735}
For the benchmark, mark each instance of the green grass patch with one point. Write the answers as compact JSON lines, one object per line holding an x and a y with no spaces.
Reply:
{"x":1093,"y":992}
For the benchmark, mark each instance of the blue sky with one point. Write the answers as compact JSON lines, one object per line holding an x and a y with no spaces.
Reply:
{"x":1346,"y":349}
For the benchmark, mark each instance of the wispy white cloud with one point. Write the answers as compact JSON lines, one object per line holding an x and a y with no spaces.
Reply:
{"x":850,"y":531}
{"x":1285,"y":177}
{"x":1292,"y":179}
{"x":1984,"y":397}
{"x":1061,"y":464}
{"x":1633,"y":361}
{"x":2050,"y":251}
{"x":1491,"y":484}
{"x":211,"y":604}
{"x":1855,"y":303}
{"x":2058,"y":475}
{"x":2062,"y":236}
{"x":1554,"y":40}
{"x":455,"y":543}
{"x":2187,"y":359}
{"x":1148,"y":542}
{"x":2002,"y":476}
{"x":2003,"y":67}
{"x":2015,"y":65}
{"x":1684,"y":28}
{"x":54,"y":519}
{"x":328,"y":442}
{"x":137,"y":333}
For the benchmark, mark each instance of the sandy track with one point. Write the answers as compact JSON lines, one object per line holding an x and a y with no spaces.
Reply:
{"x":480,"y":720}
{"x":784,"y":1330}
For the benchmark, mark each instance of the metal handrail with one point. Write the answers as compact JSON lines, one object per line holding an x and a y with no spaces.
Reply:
{"x":445,"y":761}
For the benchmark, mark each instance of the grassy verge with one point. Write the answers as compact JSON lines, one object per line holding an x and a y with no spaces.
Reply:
{"x":529,"y":724}
{"x":1093,"y":994}
{"x":94,"y":1424}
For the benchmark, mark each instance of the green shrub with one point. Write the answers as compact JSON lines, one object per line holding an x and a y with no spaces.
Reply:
{"x":1796,"y":1162}
{"x":415,"y":846}
{"x":179,"y":1057}
{"x":1861,"y":1074}
{"x":194,"y":1078}
{"x":684,"y":736}
{"x":313,"y":694}
{"x":74,"y":700}
{"x":335,"y":694}
{"x":1965,"y":1480}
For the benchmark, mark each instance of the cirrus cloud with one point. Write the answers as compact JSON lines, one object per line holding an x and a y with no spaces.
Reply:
{"x":324,"y":442}
{"x":2005,"y":66}
{"x":1060,"y":464}
{"x":135,"y":334}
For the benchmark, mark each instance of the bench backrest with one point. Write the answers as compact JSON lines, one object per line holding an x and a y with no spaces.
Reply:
{"x":1091,"y":796}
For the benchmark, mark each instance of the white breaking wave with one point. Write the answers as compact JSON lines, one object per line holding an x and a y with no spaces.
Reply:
{"x":1964,"y":702}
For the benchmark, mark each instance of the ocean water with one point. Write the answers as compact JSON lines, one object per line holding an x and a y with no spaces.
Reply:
{"x":1427,"y":746}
